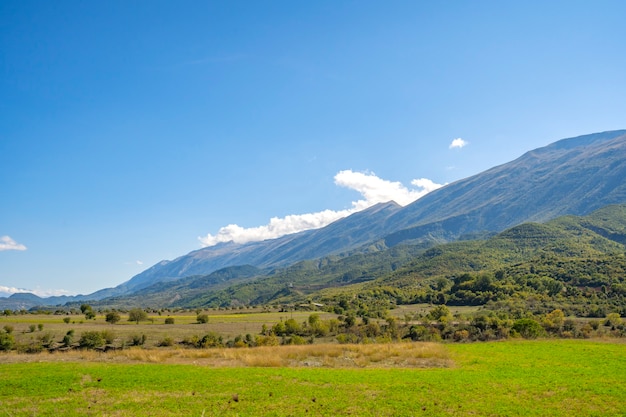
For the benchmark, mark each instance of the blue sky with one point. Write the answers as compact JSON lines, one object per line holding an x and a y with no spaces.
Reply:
{"x":132,"y":132}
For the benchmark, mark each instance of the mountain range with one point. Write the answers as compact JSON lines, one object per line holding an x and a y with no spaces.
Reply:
{"x":574,"y":176}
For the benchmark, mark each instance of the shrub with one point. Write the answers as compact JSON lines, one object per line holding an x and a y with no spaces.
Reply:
{"x":612,"y":320}
{"x":112,"y":317}
{"x":202,"y":318}
{"x":344,"y":338}
{"x":66,"y":320}
{"x":528,"y":328}
{"x":296,"y":340}
{"x":91,"y":340}
{"x":32,"y":328}
{"x":8,"y":328}
{"x":34,"y":346}
{"x":166,"y":341}
{"x":68,"y":338}
{"x":169,"y":320}
{"x":46,"y":339}
{"x":137,"y":340}
{"x":292,"y":327}
{"x":6,"y":341}
{"x":211,"y":340}
{"x":137,"y":315}
{"x":108,"y":335}
{"x":440,"y":313}
{"x":266,"y":340}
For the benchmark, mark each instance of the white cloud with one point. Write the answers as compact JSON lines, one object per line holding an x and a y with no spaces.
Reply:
{"x":373,"y":189}
{"x":458,"y":143}
{"x":6,"y":243}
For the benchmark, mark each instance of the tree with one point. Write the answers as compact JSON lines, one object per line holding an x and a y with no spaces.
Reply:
{"x":137,"y":315}
{"x":87,"y":311}
{"x":528,"y":328}
{"x":112,"y":317}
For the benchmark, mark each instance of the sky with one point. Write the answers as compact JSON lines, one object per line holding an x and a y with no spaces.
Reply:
{"x":137,"y":131}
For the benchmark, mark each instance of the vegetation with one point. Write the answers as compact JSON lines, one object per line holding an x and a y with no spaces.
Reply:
{"x":137,"y":315}
{"x":547,"y":378}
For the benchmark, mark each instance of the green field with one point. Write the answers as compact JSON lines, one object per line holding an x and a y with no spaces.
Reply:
{"x":526,"y":378}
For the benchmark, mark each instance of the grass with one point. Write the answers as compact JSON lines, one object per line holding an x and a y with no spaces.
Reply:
{"x":228,"y":324}
{"x":511,"y":378}
{"x":396,"y":355}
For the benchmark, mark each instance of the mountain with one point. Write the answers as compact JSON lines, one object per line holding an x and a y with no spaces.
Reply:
{"x":348,"y":233}
{"x":406,"y":273}
{"x":571,"y":176}
{"x":25,"y":300}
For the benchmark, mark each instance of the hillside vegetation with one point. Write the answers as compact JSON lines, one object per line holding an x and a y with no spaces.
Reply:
{"x":574,"y":263}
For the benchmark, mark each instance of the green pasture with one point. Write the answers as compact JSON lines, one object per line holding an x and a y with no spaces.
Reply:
{"x":512,"y":378}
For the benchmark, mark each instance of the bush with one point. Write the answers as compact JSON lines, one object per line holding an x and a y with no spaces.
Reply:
{"x":296,"y":340}
{"x":66,"y":320}
{"x":34,"y":346}
{"x":112,"y":317}
{"x":108,"y":335}
{"x":137,"y":315}
{"x":91,"y":340}
{"x":612,"y":320}
{"x":528,"y":328}
{"x":8,"y":328}
{"x":166,"y":341}
{"x":138,"y":340}
{"x":202,"y":318}
{"x":169,"y":320}
{"x":68,"y":338}
{"x":6,"y":341}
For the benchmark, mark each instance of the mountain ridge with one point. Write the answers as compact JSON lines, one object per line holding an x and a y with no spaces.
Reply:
{"x":571,"y":176}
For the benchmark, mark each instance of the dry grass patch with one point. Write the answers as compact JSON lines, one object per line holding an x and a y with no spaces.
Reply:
{"x":391,"y":355}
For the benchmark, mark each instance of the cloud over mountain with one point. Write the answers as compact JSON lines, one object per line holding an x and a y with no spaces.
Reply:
{"x":373,"y":189}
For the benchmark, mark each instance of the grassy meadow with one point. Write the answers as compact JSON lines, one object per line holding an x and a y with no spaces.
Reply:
{"x":510,"y":378}
{"x":227,"y":323}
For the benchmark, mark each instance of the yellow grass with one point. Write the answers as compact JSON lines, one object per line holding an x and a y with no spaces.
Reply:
{"x":392,"y":355}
